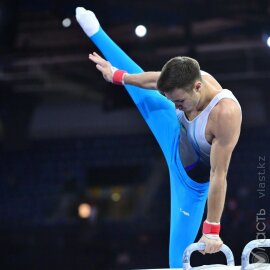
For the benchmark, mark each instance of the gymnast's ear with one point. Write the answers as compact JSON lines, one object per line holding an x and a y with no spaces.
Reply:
{"x":198,"y":86}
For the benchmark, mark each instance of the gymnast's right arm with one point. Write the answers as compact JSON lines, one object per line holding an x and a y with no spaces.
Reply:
{"x":146,"y":80}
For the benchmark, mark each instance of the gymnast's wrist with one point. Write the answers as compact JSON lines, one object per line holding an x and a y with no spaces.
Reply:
{"x":118,"y":76}
{"x":211,"y":236}
{"x":211,"y":229}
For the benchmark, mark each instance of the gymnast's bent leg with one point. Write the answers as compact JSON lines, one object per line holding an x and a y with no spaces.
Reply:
{"x":159,"y":114}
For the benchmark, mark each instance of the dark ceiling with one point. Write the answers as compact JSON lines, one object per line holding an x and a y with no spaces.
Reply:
{"x":41,"y":58}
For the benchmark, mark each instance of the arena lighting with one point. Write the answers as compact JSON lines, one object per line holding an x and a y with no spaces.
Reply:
{"x":66,"y":22}
{"x":268,"y":42}
{"x":266,"y":39}
{"x":84,"y":210}
{"x":140,"y":30}
{"x":116,"y":196}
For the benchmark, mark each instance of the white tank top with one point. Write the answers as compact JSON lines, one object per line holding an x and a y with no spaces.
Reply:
{"x":194,"y":148}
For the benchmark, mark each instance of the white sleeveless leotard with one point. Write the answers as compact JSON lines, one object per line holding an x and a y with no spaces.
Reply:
{"x":194,"y":148}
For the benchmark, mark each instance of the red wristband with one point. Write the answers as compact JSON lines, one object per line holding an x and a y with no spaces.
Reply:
{"x":118,"y":76}
{"x":209,"y":228}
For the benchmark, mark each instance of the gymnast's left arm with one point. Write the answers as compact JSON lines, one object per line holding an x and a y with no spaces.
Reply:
{"x":225,"y":123}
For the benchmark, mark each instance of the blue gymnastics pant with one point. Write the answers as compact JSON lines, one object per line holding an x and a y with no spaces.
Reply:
{"x":188,"y":197}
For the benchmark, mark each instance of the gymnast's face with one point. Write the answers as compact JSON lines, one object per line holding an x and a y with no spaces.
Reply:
{"x":185,"y":101}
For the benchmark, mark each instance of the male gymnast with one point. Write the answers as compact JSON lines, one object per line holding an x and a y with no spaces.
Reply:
{"x":197,"y":125}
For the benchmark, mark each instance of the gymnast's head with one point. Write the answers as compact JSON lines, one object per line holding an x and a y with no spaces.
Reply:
{"x":181,"y":82}
{"x":180,"y":72}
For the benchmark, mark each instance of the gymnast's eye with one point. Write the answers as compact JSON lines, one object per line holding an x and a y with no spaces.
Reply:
{"x":179,"y":101}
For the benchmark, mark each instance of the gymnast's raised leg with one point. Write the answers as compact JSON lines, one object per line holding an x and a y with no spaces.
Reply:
{"x":159,"y":114}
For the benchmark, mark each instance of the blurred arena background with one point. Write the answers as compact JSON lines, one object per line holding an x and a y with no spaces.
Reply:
{"x":83,"y":183}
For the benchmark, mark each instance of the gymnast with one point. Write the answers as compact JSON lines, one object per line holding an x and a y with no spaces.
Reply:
{"x":197,"y":125}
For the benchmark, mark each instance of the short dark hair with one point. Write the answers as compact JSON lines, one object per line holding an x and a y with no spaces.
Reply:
{"x":179,"y":72}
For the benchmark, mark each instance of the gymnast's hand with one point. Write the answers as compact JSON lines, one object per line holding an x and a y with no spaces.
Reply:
{"x":212,"y":244}
{"x":103,"y":66}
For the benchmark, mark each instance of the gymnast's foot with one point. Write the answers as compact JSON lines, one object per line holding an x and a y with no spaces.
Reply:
{"x":87,"y":20}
